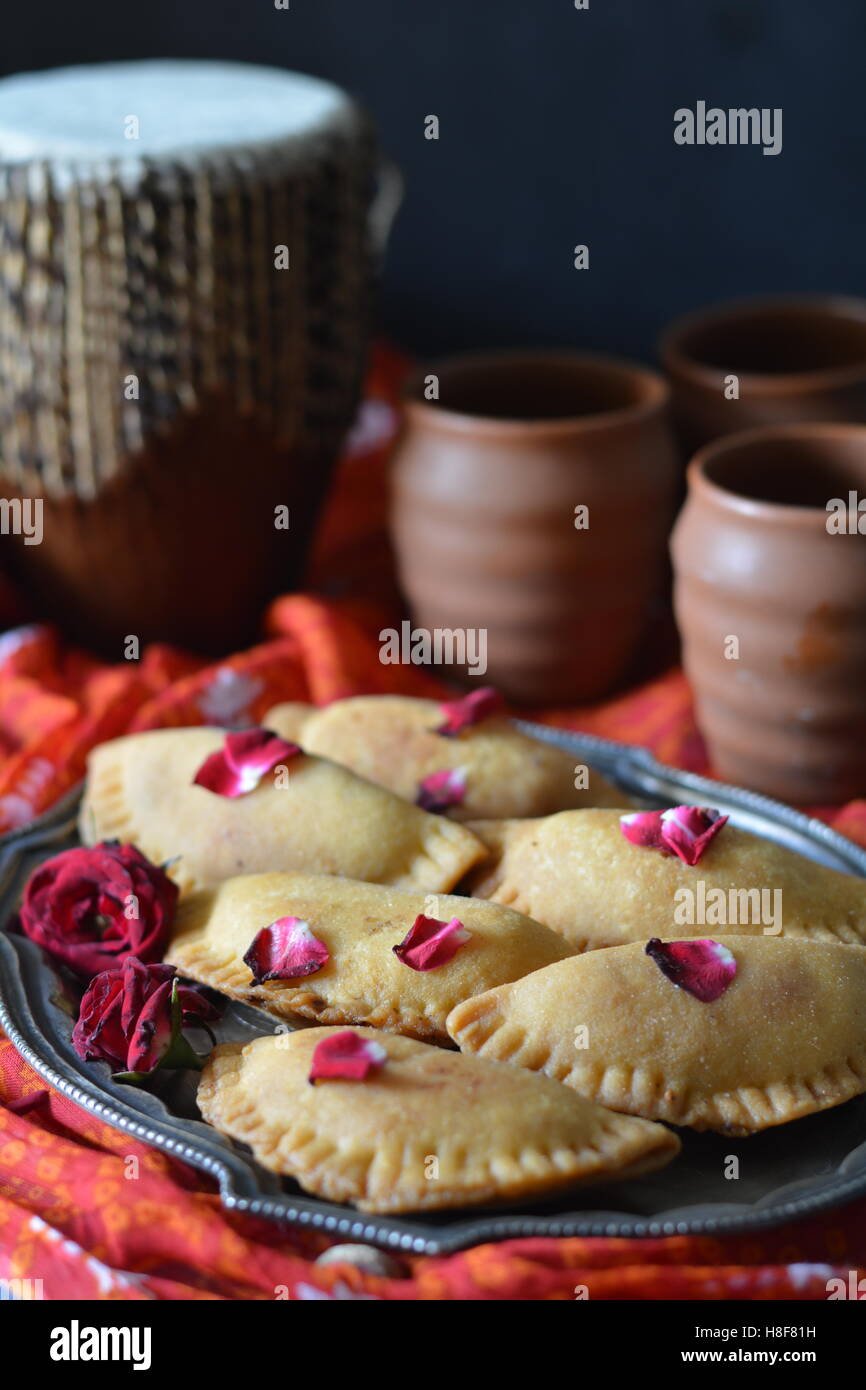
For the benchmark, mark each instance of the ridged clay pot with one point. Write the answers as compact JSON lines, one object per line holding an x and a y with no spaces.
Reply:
{"x":754,"y":561}
{"x":487,"y":479}
{"x":796,"y":359}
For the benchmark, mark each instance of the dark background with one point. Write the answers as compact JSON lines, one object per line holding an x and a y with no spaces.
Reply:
{"x":556,"y":128}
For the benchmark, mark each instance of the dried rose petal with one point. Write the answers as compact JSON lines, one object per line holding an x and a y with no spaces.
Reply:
{"x":430,"y":943}
{"x":153,"y":1031}
{"x":242,"y":762}
{"x":702,"y":968}
{"x":643,"y":828}
{"x":346,"y":1056}
{"x":687,"y":830}
{"x":461,"y":714}
{"x":286,"y":950}
{"x":441,"y":790}
{"x":682,"y":830}
{"x":139,"y":983}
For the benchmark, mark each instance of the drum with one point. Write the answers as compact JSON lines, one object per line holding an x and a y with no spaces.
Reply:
{"x":185,"y":275}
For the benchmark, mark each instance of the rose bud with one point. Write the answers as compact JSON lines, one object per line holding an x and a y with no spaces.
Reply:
{"x":133,"y":1018}
{"x":92,"y":908}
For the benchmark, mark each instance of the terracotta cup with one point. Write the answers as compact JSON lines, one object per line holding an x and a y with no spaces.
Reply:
{"x":487,"y":482}
{"x":770,"y":598}
{"x":795,"y":359}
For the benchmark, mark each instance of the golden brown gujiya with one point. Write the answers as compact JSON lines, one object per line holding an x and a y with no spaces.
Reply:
{"x":321,"y":819}
{"x":429,"y":1130}
{"x":392,"y":740}
{"x":363,"y":982}
{"x":577,"y":873}
{"x":786,"y":1038}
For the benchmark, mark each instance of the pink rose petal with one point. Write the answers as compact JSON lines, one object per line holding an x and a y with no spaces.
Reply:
{"x":643,"y":828}
{"x":702,"y":968}
{"x":244,"y":759}
{"x":687,"y":830}
{"x":286,"y":950}
{"x":430,"y":943}
{"x":441,"y":790}
{"x":682,"y":830}
{"x":462,"y":714}
{"x":346,"y":1056}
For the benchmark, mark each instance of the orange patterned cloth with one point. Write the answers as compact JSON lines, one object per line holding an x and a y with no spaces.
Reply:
{"x":94,"y":1215}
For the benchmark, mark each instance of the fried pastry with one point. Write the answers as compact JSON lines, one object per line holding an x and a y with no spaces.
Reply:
{"x":425,"y":1130}
{"x":288,"y":720}
{"x":785,"y":1037}
{"x":392,"y":740}
{"x":578,"y":874}
{"x":362,"y":980}
{"x":319,"y":818}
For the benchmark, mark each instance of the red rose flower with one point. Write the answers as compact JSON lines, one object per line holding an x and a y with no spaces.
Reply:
{"x":133,"y":1019}
{"x":92,"y":908}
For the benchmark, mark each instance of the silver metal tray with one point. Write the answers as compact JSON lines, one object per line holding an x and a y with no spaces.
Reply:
{"x":785,"y":1173}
